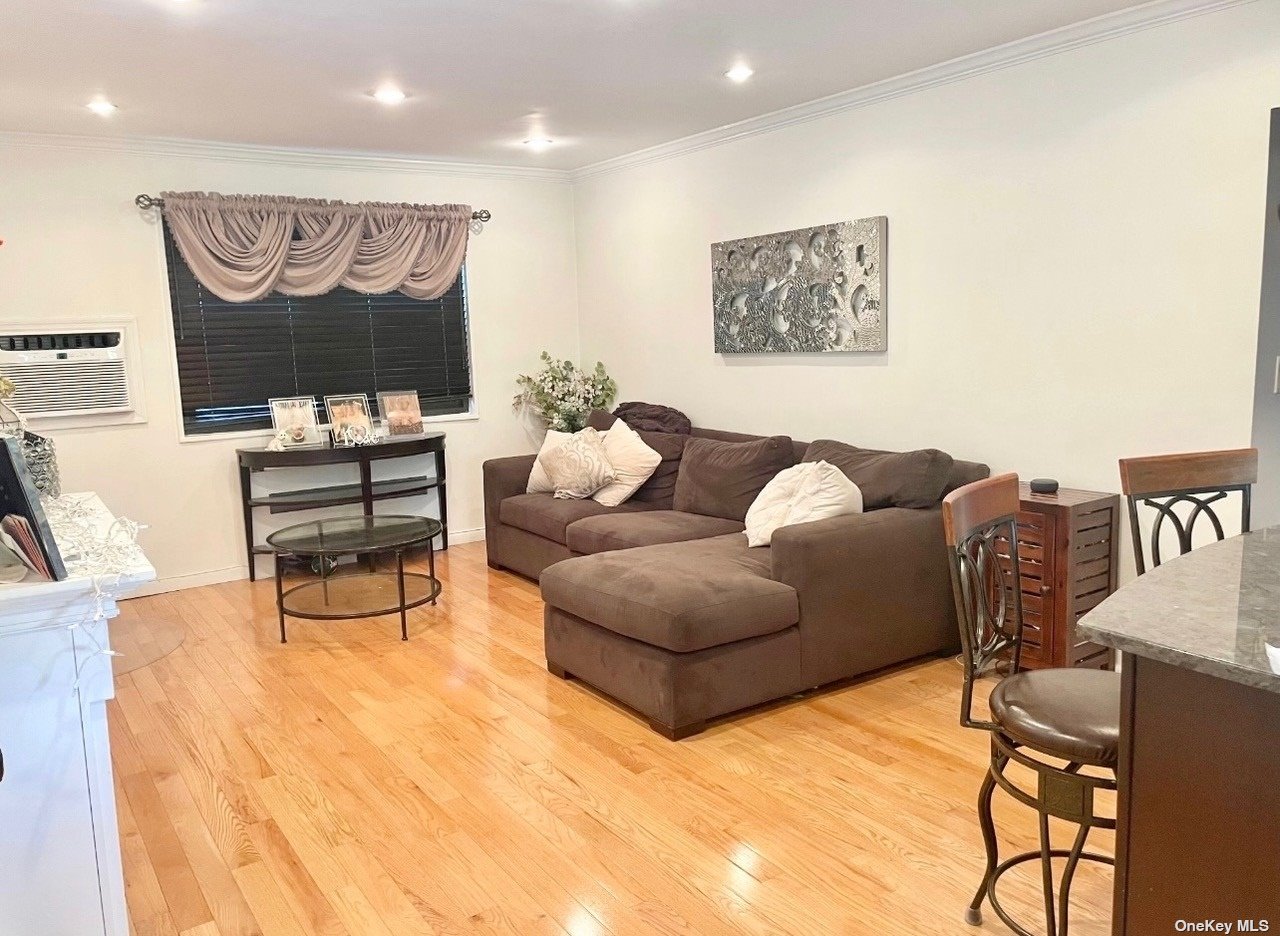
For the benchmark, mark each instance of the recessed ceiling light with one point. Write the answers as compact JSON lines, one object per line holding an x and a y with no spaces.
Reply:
{"x":102,"y":107}
{"x":389,"y":94}
{"x":739,"y":73}
{"x":537,"y":144}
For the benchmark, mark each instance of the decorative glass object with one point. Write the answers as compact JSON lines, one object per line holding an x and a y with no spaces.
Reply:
{"x":42,"y":460}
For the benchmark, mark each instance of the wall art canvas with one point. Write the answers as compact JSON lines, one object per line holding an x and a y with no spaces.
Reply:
{"x":818,"y":289}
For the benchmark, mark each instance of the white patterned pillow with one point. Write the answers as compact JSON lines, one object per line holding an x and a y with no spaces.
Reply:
{"x":578,"y":467}
{"x":539,"y":483}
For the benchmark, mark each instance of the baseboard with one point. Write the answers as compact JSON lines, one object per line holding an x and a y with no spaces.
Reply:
{"x":235,"y":573}
{"x":192,"y":580}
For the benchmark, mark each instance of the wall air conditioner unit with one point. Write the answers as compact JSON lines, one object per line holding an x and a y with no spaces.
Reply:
{"x":63,"y":372}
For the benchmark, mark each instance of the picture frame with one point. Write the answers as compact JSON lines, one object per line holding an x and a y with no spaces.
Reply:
{"x":349,"y":418}
{"x":19,"y":497}
{"x":401,"y":412}
{"x":296,"y":418}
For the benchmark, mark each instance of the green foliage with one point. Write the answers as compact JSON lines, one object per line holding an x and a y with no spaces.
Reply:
{"x":562,"y":394}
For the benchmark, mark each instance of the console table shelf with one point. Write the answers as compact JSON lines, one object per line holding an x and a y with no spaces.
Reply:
{"x":338,"y":494}
{"x":366,"y":491}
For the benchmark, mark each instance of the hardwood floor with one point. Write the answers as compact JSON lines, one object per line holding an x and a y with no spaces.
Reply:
{"x":351,"y":783}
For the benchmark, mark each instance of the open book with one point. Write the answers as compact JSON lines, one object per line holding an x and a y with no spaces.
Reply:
{"x":18,"y":536}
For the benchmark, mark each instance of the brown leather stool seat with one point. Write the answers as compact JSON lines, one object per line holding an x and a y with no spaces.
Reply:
{"x":1073,"y":714}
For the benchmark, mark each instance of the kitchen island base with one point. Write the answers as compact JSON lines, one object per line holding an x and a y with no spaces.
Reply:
{"x":1199,"y":797}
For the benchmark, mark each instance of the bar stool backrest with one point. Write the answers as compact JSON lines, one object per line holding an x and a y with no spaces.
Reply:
{"x":981,"y":527}
{"x":1183,"y":489}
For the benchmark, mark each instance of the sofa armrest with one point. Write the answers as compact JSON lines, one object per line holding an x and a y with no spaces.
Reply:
{"x":503,"y":478}
{"x":874,"y":589}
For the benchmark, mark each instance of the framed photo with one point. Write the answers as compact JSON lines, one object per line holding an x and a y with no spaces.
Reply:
{"x":401,"y":412}
{"x":349,"y":418}
{"x":296,"y":418}
{"x":24,"y":527}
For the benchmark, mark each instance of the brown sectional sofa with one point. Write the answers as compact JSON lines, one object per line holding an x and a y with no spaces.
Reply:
{"x":669,"y":612}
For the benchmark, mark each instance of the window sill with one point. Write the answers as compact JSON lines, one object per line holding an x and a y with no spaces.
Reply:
{"x":247,"y":434}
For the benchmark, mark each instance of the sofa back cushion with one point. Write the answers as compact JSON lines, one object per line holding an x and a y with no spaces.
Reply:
{"x":659,"y":490}
{"x":888,"y":479}
{"x":965,"y":472}
{"x":724,"y":435}
{"x":722,"y":479}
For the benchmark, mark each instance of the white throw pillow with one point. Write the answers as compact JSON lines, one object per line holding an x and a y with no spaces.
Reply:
{"x":633,"y":464}
{"x":539,"y":483}
{"x":808,"y":491}
{"x":578,"y":467}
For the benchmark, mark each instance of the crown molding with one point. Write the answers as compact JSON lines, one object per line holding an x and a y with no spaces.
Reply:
{"x":1065,"y":39}
{"x":278,"y":156}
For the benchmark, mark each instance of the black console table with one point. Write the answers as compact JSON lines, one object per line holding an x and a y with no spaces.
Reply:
{"x":365,"y":492}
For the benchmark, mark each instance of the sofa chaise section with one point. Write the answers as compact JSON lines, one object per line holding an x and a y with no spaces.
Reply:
{"x":688,"y":632}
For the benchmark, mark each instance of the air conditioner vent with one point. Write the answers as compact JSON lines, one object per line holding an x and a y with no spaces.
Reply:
{"x":66,"y":373}
{"x":59,"y":342}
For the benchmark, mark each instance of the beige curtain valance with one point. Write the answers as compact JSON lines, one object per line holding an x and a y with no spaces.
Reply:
{"x":242,"y":247}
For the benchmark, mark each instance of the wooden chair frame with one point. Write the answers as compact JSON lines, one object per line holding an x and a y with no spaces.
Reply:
{"x":1197,"y":479}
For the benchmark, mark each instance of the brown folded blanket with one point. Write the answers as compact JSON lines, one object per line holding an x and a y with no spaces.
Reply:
{"x":653,"y":417}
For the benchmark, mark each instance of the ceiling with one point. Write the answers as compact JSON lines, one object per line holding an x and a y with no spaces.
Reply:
{"x":600,"y":78}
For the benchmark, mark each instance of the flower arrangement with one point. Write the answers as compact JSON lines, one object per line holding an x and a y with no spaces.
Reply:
{"x":562,"y":394}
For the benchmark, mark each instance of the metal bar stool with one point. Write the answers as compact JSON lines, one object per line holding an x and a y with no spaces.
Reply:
{"x":1037,"y":717}
{"x":1194,"y":482}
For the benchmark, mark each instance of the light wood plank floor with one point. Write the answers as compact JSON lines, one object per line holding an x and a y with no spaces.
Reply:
{"x":350,"y":783}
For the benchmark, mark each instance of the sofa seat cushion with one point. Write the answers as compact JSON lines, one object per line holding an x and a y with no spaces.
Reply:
{"x":647,"y":528}
{"x":549,"y":516}
{"x":682,"y":597}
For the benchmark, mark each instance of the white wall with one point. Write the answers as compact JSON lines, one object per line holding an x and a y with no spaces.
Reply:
{"x":1074,"y":262}
{"x":77,"y":249}
{"x":1074,"y":258}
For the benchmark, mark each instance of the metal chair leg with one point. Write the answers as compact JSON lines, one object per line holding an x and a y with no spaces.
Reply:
{"x":1069,"y":872}
{"x":973,"y":916}
{"x":1046,"y":868}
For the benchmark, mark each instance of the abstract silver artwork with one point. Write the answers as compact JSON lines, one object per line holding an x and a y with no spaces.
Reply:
{"x":816,"y":289}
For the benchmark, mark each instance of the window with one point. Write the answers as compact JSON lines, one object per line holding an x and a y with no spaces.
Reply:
{"x":235,"y":356}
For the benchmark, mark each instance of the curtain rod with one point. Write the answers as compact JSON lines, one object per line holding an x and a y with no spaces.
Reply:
{"x":150,"y":201}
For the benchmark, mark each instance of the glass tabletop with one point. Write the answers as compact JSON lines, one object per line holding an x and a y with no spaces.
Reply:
{"x":339,"y":535}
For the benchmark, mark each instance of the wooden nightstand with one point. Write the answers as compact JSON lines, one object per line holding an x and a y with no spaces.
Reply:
{"x":1068,"y":545}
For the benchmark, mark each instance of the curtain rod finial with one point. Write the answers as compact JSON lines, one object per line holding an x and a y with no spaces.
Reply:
{"x":146,"y":201}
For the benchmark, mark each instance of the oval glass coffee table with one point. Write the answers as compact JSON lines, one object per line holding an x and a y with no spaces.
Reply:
{"x":356,"y":594}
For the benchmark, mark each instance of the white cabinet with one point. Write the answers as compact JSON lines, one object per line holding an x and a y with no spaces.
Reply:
{"x":59,"y":843}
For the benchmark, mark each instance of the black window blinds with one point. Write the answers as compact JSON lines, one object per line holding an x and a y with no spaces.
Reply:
{"x":235,"y":356}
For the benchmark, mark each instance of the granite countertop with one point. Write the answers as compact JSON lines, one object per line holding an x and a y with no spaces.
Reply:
{"x":1215,"y":610}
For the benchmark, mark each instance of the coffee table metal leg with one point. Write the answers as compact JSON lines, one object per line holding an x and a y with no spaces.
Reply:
{"x":404,"y":613}
{"x":280,"y":596}
{"x":324,"y":577}
{"x":431,"y":567}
